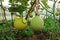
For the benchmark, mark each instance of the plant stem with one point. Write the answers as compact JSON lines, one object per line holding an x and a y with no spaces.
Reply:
{"x":46,"y":14}
{"x":22,"y":18}
{"x":12,"y":18}
{"x":54,"y":9}
{"x":36,"y":4}
{"x":45,"y":8}
{"x":30,"y":10}
{"x":54,"y":12}
{"x":12,"y":5}
{"x":4,"y":15}
{"x":6,"y":21}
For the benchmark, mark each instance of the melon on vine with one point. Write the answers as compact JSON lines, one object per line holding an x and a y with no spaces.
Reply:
{"x":30,"y":15}
{"x":20,"y":23}
{"x":37,"y":23}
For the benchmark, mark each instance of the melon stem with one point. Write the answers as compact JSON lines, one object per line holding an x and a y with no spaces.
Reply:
{"x":36,"y":7}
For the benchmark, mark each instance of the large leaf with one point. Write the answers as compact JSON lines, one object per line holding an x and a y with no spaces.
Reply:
{"x":19,"y":9}
{"x":23,"y":2}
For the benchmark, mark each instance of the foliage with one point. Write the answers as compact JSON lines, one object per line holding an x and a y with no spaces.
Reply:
{"x":17,"y":7}
{"x":52,"y":25}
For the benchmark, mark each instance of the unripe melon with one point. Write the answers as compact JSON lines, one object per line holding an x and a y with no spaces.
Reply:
{"x":31,"y":15}
{"x":37,"y":23}
{"x":20,"y":23}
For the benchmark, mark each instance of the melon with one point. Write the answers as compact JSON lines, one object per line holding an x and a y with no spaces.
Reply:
{"x":20,"y":23}
{"x":37,"y":23}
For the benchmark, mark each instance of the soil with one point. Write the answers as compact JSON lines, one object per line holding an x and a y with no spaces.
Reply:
{"x":36,"y":36}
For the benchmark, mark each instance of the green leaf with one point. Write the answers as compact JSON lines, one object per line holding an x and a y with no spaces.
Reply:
{"x":28,"y":32}
{"x":10,"y":1}
{"x":45,"y":4}
{"x":44,"y":1}
{"x":13,"y":1}
{"x":24,"y":2}
{"x":19,"y":9}
{"x":42,"y":8}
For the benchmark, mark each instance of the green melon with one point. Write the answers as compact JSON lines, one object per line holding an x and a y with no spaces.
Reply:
{"x":37,"y":23}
